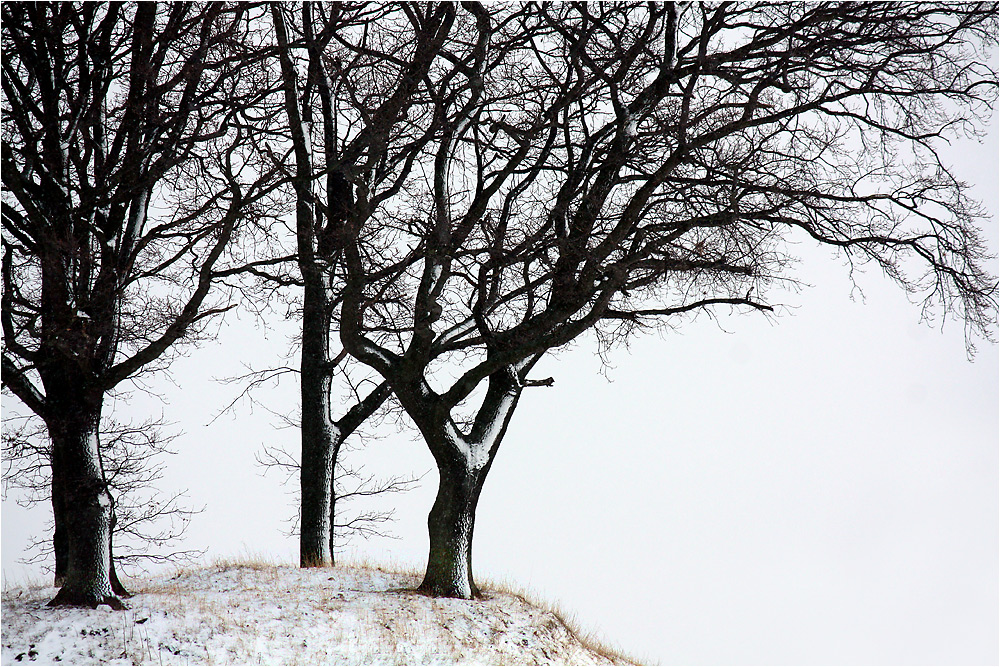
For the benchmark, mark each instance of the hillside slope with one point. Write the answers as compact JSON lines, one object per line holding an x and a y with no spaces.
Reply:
{"x":268,"y":614}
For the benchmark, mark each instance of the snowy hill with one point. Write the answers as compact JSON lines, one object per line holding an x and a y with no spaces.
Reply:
{"x":269,"y":614}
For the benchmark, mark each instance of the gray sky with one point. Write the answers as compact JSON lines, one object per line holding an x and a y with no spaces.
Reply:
{"x":823,"y":489}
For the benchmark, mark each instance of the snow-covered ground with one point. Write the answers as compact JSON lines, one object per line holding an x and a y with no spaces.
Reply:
{"x":270,"y":614}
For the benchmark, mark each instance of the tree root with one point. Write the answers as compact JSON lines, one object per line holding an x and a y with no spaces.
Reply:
{"x":435,"y":590}
{"x":67,"y":598}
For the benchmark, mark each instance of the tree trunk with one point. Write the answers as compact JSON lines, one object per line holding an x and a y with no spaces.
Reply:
{"x":319,"y":434}
{"x":117,"y":587}
{"x":450,"y":524}
{"x":60,"y":541}
{"x":333,"y":498}
{"x":77,"y":469}
{"x":463,"y":463}
{"x":314,"y":482}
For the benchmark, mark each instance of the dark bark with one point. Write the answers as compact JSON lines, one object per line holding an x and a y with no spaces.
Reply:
{"x":88,"y":507}
{"x":100,"y":100}
{"x":450,"y":525}
{"x":60,"y":541}
{"x":319,"y":435}
{"x":317,"y":245}
{"x":463,"y":462}
{"x":70,"y":375}
{"x":116,"y":585}
{"x":70,"y":364}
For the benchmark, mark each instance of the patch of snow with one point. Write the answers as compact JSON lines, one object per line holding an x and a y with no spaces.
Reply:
{"x":376,"y":351}
{"x":480,"y":449}
{"x":286,"y":615}
{"x":461,"y":444}
{"x":631,"y":125}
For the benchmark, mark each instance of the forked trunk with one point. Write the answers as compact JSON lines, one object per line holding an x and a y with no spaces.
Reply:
{"x":450,"y":524}
{"x":77,"y":469}
{"x":463,"y":463}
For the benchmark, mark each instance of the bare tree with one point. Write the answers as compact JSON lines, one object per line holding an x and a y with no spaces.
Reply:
{"x":350,"y":484}
{"x":148,"y":523}
{"x":129,"y":159}
{"x":351,"y":74}
{"x":616,"y":167}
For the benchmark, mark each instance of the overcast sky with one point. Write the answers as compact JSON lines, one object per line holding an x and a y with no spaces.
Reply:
{"x":818,"y":489}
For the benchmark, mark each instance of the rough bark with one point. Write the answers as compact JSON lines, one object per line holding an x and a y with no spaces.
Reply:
{"x":60,"y":542}
{"x":69,"y":362}
{"x":88,"y":515}
{"x":104,"y":101}
{"x":116,"y":585}
{"x":450,"y":524}
{"x":314,"y":383}
{"x":319,"y":435}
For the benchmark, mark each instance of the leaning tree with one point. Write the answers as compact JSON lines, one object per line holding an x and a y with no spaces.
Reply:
{"x":616,"y":167}
{"x":354,"y":79}
{"x":130,"y":162}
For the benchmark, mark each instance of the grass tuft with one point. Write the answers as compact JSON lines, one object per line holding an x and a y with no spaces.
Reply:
{"x":251,"y":560}
{"x":252,"y":608}
{"x":589,"y":639}
{"x":12,"y":585}
{"x":390,"y":567}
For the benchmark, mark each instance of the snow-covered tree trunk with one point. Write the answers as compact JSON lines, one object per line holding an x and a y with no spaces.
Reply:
{"x":76,"y":469}
{"x":450,"y":526}
{"x":463,"y":462}
{"x":319,"y":435}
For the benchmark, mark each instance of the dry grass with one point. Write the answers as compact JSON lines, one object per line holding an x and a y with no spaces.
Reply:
{"x":249,"y":560}
{"x":590,"y":639}
{"x":11,"y":584}
{"x":252,"y":609}
{"x":390,"y":567}
{"x":166,"y":583}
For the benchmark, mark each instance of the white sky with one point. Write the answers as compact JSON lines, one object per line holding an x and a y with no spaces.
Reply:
{"x":819,"y":490}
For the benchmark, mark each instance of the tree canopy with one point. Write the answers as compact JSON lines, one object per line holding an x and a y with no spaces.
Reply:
{"x":617,"y":166}
{"x":474,"y":186}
